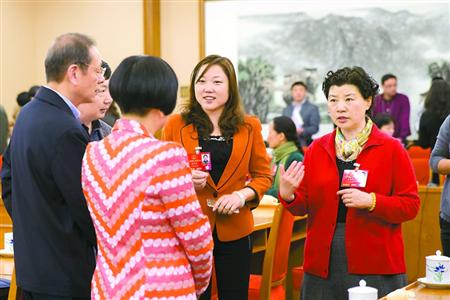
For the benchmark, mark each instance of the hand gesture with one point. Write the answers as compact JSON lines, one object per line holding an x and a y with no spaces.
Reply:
{"x":355,"y":198}
{"x":290,"y":179}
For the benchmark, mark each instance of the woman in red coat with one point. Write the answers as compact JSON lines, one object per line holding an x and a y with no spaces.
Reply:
{"x":357,"y":186}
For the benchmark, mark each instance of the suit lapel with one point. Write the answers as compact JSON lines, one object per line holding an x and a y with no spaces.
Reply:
{"x":240,"y":146}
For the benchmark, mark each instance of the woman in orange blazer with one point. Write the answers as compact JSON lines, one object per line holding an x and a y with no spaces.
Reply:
{"x":240,"y":174}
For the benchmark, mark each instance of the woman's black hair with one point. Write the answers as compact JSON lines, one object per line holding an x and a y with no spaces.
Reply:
{"x":437,"y":100}
{"x":383,"y":119}
{"x":23,"y":98}
{"x":141,"y":83}
{"x":286,"y":126}
{"x":356,"y":76}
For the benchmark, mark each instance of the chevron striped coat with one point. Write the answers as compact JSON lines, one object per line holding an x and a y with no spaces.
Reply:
{"x":153,"y":240}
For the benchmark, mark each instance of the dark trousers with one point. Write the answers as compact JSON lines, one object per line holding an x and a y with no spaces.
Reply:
{"x":232,"y":265}
{"x":435,"y":178}
{"x":26,"y":295}
{"x":445,"y":236}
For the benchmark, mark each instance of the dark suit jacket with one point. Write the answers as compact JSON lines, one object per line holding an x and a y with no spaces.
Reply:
{"x":54,"y":237}
{"x":311,"y":120}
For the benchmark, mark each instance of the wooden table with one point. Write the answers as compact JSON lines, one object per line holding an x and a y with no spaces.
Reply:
{"x":424,"y":293}
{"x":6,"y":266}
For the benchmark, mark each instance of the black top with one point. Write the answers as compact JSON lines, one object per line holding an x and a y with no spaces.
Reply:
{"x":428,"y":129}
{"x":220,"y":151}
{"x":342,"y":209}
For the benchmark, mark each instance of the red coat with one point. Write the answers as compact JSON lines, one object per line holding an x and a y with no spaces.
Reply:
{"x":373,"y":240}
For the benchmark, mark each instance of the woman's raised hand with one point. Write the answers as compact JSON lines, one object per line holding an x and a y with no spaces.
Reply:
{"x":290,"y":180}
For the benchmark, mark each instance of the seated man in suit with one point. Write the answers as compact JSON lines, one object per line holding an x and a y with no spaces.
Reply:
{"x":54,"y":238}
{"x":304,"y":114}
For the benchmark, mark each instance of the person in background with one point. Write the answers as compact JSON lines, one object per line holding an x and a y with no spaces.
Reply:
{"x":304,"y":113}
{"x":395,"y":104}
{"x":113,"y":113}
{"x":283,"y":140}
{"x":385,"y":123}
{"x":22,"y":99}
{"x":54,"y":238}
{"x":355,"y":195}
{"x":214,"y":120}
{"x":154,"y":241}
{"x":437,"y":108}
{"x":91,"y":113}
{"x":440,"y":163}
{"x":4,"y":129}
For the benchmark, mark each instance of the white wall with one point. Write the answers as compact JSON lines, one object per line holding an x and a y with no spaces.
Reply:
{"x":29,"y":27}
{"x":180,"y":36}
{"x":17,"y":55}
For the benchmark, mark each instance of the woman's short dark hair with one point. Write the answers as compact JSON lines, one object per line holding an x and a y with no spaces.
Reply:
{"x":141,"y":83}
{"x":23,"y":98}
{"x":233,"y":113}
{"x":356,"y":76}
{"x":286,"y":126}
{"x":383,"y":119}
{"x":33,"y":90}
{"x":68,"y":49}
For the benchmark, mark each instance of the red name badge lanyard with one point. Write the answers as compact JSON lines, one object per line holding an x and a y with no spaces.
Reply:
{"x":200,"y":160}
{"x":354,"y":178}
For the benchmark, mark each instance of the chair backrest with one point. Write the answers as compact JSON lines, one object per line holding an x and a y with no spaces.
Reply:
{"x":277,"y":251}
{"x":419,"y":152}
{"x":422,"y":170}
{"x":13,"y":294}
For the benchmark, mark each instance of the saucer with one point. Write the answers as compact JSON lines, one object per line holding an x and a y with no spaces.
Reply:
{"x":5,"y":253}
{"x":434,"y":285}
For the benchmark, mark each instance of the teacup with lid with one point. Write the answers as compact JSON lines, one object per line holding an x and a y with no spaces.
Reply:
{"x":437,"y":268}
{"x":362,"y":292}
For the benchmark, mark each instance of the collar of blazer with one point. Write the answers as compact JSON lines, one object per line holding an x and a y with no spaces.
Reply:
{"x":241,"y":142}
{"x":47,"y":95}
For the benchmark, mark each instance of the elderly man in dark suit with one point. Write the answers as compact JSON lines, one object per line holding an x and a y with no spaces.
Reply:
{"x":304,"y":114}
{"x":54,"y":238}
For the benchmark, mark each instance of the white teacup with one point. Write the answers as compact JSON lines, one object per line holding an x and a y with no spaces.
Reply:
{"x":437,"y":268}
{"x":362,"y":292}
{"x":8,"y":242}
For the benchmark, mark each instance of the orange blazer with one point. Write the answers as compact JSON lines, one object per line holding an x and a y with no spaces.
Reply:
{"x":248,"y":157}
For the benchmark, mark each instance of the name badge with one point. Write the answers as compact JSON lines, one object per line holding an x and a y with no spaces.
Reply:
{"x":200,"y":161}
{"x":354,"y":178}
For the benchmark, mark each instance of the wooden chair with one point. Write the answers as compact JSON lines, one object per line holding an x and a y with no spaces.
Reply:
{"x":297,"y":280}
{"x":13,"y":294}
{"x":422,"y":170}
{"x":271,"y":284}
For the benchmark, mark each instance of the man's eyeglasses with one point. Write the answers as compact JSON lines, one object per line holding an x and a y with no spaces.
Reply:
{"x":99,"y":70}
